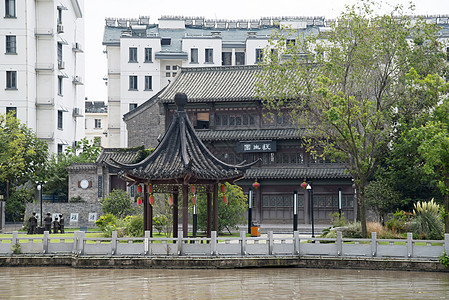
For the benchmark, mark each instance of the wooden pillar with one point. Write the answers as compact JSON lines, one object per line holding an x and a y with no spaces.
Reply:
{"x":175,"y":211}
{"x":150,"y":217}
{"x":215,"y":207}
{"x":209,"y":213}
{"x":145,"y":205}
{"x":185,"y":206}
{"x":306,"y":207}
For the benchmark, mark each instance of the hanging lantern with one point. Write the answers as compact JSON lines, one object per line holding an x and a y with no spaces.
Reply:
{"x":150,"y":188}
{"x":225,"y":200}
{"x":223,"y":188}
{"x":139,"y":189}
{"x":256,"y":184}
{"x":304,"y":185}
{"x":139,"y":201}
{"x":170,"y":200}
{"x":194,"y":199}
{"x":151,"y":200}
{"x":192,"y":188}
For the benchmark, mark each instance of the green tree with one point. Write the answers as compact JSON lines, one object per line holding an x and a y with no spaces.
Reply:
{"x":382,"y":198}
{"x":230,"y":214}
{"x":346,"y":87}
{"x":22,"y":155}
{"x":118,"y":203}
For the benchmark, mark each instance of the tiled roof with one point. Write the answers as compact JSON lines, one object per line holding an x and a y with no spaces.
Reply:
{"x":82,"y":167}
{"x":123,"y":155}
{"x":297,"y":173}
{"x":180,"y":157}
{"x":214,"y":84}
{"x":250,"y":134}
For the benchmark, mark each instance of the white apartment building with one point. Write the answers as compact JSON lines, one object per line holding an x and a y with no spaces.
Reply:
{"x":143,"y":58}
{"x":96,"y":122}
{"x":42,"y":67}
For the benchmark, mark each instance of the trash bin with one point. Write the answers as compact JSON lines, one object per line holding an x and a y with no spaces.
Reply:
{"x":255,"y":230}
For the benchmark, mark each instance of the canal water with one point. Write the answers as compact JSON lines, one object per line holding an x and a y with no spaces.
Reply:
{"x":288,"y":283}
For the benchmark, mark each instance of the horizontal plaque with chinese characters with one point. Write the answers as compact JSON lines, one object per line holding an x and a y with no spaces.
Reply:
{"x":256,"y":146}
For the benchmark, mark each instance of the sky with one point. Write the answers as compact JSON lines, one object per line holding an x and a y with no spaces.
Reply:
{"x":95,"y":12}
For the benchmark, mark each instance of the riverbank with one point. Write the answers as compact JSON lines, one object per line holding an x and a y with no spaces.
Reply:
{"x":222,"y":262}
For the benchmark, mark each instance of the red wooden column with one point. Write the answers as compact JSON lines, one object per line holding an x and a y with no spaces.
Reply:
{"x":215,"y":207}
{"x":185,"y":206}
{"x":209,"y":213}
{"x":145,"y":207}
{"x":175,"y":211}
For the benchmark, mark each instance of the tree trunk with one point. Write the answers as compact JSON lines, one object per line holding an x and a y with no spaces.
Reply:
{"x":361,"y":206}
{"x":446,"y":210}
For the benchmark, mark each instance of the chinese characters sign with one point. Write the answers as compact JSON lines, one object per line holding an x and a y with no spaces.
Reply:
{"x":256,"y":146}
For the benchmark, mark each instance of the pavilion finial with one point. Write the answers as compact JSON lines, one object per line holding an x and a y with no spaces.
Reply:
{"x":180,"y":101}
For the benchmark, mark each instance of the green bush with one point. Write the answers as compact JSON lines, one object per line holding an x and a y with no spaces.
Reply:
{"x":118,"y":203}
{"x":427,"y":224}
{"x":134,"y":225}
{"x":353,"y":230}
{"x":129,"y":226}
{"x":337,"y":220}
{"x":159,"y":222}
{"x":397,"y":223}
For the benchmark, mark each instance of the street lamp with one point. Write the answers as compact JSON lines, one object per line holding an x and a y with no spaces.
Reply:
{"x":250,"y":202}
{"x":310,"y":190}
{"x":295,"y":210}
{"x":39,"y":188}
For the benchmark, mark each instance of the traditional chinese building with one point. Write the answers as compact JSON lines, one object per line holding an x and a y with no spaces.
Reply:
{"x":231,"y":121}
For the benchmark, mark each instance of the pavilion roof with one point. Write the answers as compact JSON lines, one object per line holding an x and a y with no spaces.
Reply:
{"x":180,"y":157}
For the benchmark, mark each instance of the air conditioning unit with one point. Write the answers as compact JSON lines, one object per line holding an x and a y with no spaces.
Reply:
{"x":77,"y":80}
{"x":61,"y":65}
{"x":77,"y":112}
{"x":60,"y":28}
{"x":77,"y":47}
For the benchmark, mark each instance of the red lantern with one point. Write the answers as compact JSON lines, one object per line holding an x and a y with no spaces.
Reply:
{"x":151,"y":200}
{"x":139,"y":201}
{"x":256,"y":184}
{"x":170,"y":200}
{"x":304,"y":185}
{"x":225,"y":201}
{"x":223,"y":188}
{"x":139,"y":189}
{"x":192,"y":188}
{"x":193,"y":200}
{"x":150,"y":188}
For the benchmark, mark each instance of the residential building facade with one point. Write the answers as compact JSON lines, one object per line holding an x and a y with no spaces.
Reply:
{"x":42,"y":67}
{"x":96,"y":121}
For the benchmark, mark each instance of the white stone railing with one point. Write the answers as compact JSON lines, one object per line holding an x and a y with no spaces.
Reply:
{"x":271,"y":245}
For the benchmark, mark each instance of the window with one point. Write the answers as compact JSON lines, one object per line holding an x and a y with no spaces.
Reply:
{"x":226,"y":58}
{"x":10,"y":8}
{"x":97,"y":123}
{"x":240,"y":58}
{"x":59,"y":15}
{"x":133,"y":83}
{"x":60,"y":120}
{"x":165,"y":42}
{"x":132,"y":106}
{"x":209,"y":56}
{"x":148,"y":55}
{"x":291,"y":42}
{"x":60,"y":86}
{"x":11,"y":44}
{"x":148,"y":83}
{"x":132,"y":55}
{"x":12,"y":110}
{"x":11,"y":80}
{"x":259,"y":55}
{"x":59,"y":148}
{"x":194,"y":55}
{"x":59,"y":52}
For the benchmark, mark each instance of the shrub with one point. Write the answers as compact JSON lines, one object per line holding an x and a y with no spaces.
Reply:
{"x":106,"y":220}
{"x":397,"y":222}
{"x":118,"y":203}
{"x":353,"y":230}
{"x":129,"y":226}
{"x":337,"y":220}
{"x":160,"y":221}
{"x":427,"y":225}
{"x":134,"y":225}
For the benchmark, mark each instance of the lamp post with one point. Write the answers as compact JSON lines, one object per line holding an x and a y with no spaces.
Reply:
{"x":310,"y":190}
{"x":195,"y":218}
{"x":295,"y":210}
{"x":339,"y":201}
{"x":250,"y":204}
{"x":39,"y":188}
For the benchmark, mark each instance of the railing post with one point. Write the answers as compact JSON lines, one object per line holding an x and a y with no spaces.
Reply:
{"x":180,"y":233}
{"x":373,"y":244}
{"x":114,"y":242}
{"x":213,"y":243}
{"x":15,"y":236}
{"x":409,"y":244}
{"x":243,"y":242}
{"x":146,"y":242}
{"x":339,"y":242}
{"x":45,"y":242}
{"x":296,"y":242}
{"x":81,"y":235}
{"x":270,"y":243}
{"x":446,"y":242}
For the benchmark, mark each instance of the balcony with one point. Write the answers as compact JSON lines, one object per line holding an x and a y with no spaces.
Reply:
{"x":45,"y":101}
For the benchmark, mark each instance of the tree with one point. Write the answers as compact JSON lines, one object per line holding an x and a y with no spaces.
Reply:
{"x":118,"y":203}
{"x":22,"y":154}
{"x":347,"y":87}
{"x":230,"y":214}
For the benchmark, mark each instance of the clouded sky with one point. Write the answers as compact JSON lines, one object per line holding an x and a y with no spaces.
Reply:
{"x":95,"y":11}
